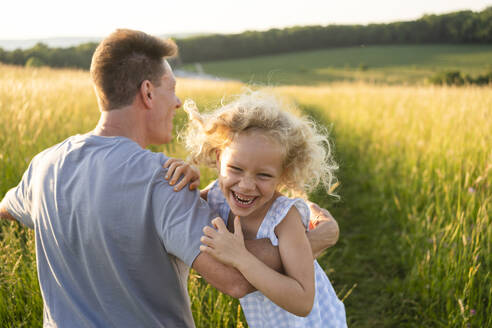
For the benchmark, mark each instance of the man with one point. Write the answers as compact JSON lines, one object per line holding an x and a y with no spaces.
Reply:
{"x":114,"y":242}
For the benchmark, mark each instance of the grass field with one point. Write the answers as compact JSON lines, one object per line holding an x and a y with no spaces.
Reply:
{"x":416,"y":188}
{"x":376,"y":64}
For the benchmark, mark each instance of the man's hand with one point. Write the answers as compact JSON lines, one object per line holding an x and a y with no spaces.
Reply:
{"x":4,"y":214}
{"x":176,"y":169}
{"x":325,"y":233}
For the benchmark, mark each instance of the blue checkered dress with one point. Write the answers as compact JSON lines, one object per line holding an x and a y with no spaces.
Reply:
{"x":260,"y":312}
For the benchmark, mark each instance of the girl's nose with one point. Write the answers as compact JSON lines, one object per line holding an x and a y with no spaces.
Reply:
{"x":246,"y":183}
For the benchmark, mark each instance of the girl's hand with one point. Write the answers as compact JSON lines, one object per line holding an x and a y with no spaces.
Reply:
{"x":176,"y":169}
{"x":226,"y":247}
{"x":324,"y":230}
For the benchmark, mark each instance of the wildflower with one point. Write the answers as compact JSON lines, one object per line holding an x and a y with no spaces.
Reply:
{"x":471,"y":190}
{"x":473,"y":312}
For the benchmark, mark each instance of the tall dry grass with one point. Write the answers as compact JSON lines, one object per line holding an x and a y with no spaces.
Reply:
{"x":416,"y":181}
{"x":426,"y":155}
{"x":39,"y":108}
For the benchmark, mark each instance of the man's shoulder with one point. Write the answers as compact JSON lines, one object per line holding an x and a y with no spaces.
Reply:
{"x":91,"y":143}
{"x":41,"y":156}
{"x":102,"y":155}
{"x":62,"y":145}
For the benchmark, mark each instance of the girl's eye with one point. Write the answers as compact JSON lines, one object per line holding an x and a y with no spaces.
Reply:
{"x":265,"y":176}
{"x":234,"y":168}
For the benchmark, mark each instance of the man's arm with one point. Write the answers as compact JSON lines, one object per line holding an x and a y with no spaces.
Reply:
{"x":230,"y":281}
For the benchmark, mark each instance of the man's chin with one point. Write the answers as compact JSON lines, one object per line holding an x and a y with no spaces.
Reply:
{"x":165,"y":140}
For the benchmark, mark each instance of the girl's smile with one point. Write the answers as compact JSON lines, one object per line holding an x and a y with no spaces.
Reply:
{"x":250,"y":168}
{"x":242,"y":200}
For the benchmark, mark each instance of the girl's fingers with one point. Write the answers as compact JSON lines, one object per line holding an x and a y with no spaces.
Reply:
{"x":195,"y":184}
{"x":219,"y":224}
{"x":186,"y":179}
{"x":209,"y":232}
{"x":207,"y":241}
{"x":205,"y":249}
{"x":178,"y":168}
{"x":177,"y":173}
{"x":180,"y":185}
{"x":238,"y":231}
{"x":169,"y":162}
{"x":170,"y":170}
{"x":190,"y":178}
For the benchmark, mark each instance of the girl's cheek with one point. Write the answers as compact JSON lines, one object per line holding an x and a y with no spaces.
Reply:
{"x":222,"y":183}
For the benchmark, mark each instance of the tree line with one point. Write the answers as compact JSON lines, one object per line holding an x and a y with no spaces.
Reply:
{"x":457,"y":27}
{"x":41,"y":55}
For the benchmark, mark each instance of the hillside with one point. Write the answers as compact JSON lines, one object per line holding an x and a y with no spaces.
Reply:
{"x":461,"y":27}
{"x":403,"y":64}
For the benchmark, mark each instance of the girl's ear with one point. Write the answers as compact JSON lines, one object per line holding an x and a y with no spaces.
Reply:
{"x":217,"y":159}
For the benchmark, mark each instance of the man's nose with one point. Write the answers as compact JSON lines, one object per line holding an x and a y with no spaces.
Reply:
{"x":178,"y":102}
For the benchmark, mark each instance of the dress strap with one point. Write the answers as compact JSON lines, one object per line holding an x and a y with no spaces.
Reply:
{"x":278,"y":212}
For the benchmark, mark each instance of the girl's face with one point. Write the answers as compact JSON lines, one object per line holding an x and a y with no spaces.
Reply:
{"x":250,"y":169}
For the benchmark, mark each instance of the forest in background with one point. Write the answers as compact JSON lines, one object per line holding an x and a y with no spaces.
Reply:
{"x":462,"y":27}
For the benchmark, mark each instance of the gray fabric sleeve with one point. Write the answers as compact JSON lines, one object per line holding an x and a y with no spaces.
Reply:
{"x":18,"y":200}
{"x":217,"y":202}
{"x":179,"y":218}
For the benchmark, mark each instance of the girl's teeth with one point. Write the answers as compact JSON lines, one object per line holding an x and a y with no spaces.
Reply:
{"x":243,"y":201}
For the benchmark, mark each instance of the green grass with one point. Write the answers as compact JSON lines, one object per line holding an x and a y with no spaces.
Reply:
{"x":416,"y":188}
{"x":377,"y":64}
{"x":39,"y":108}
{"x":416,"y":172}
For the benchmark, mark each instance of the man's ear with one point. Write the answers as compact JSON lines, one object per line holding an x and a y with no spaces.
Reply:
{"x":146,"y":93}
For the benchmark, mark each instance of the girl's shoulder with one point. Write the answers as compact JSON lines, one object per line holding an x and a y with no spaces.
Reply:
{"x":278,"y":211}
{"x":282,"y":206}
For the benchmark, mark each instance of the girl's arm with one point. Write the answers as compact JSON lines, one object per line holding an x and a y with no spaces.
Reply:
{"x":294,"y":290}
{"x":323,"y":236}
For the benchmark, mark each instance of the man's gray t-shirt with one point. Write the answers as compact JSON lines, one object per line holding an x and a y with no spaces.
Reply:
{"x":114,"y":242}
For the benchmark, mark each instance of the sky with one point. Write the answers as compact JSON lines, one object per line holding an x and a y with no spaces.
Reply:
{"x":33,"y":19}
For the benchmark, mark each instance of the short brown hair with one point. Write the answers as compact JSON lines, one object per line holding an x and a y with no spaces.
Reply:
{"x":122,"y":61}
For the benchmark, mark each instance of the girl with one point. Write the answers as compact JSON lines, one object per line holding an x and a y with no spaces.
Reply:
{"x":258,"y":150}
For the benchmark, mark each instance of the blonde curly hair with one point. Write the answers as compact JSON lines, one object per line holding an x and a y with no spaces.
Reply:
{"x":308,"y":159}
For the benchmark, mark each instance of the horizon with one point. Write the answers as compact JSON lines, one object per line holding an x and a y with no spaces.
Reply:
{"x":62,"y":41}
{"x":213,"y":17}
